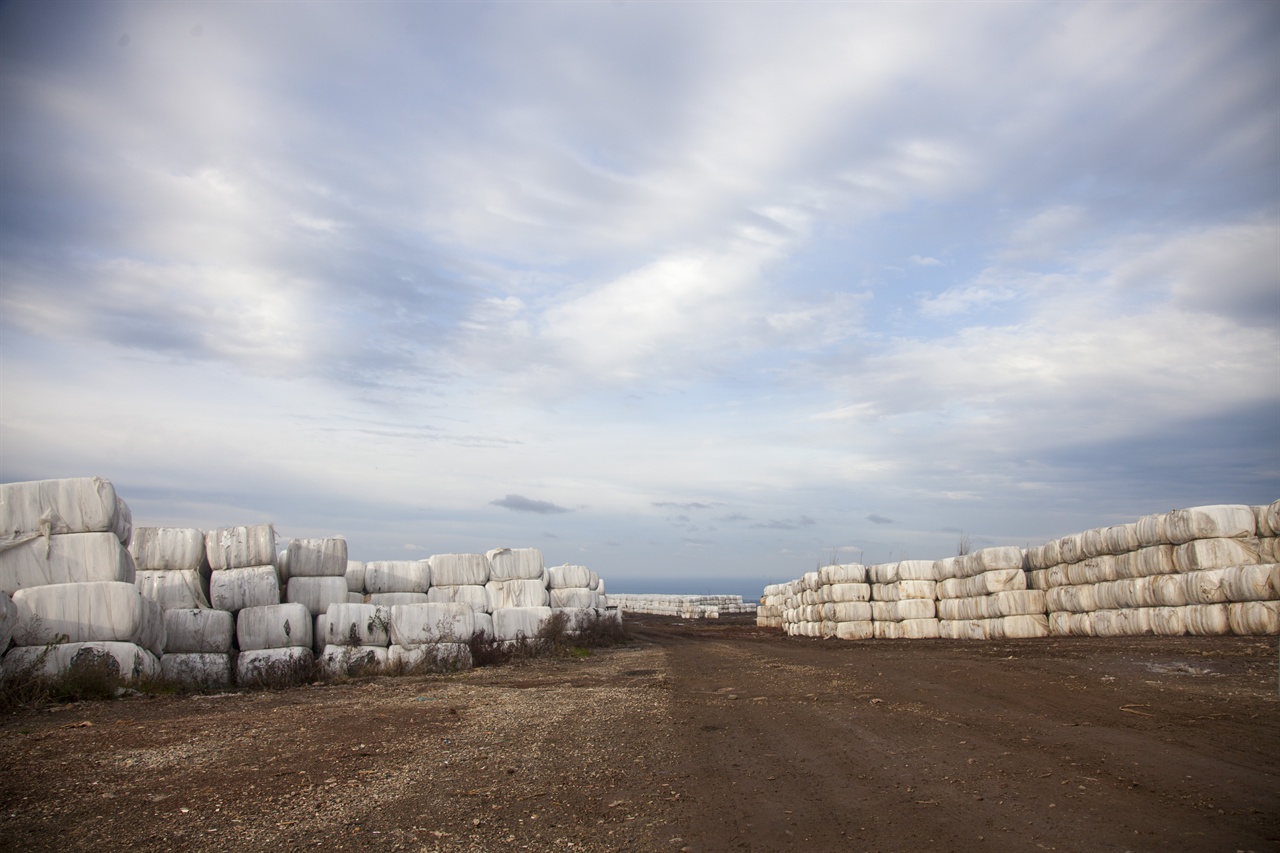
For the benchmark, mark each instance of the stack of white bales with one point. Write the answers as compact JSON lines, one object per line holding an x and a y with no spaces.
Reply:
{"x":578,"y":593}
{"x":274,"y":639}
{"x":684,"y":606}
{"x":1203,"y":570}
{"x":173,"y":569}
{"x":804,"y":606}
{"x":845,"y":599}
{"x":355,"y":581}
{"x":769,"y":613}
{"x":463,"y":579}
{"x":518,"y":592}
{"x":353,"y":638}
{"x":316,"y":571}
{"x":63,"y":562}
{"x":391,"y":582}
{"x":903,"y":600}
{"x":984,"y":596}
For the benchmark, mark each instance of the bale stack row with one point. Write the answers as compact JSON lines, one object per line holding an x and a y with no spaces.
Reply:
{"x":984,"y":596}
{"x":1205,"y":570}
{"x":904,"y":600}
{"x":684,"y":606}
{"x":67,"y":593}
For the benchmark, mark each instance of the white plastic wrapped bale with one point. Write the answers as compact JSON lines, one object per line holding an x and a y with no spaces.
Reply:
{"x":899,"y":611}
{"x":265,"y":667}
{"x":1025,"y":602}
{"x":1222,"y":521}
{"x":169,"y":549}
{"x":236,"y":589}
{"x":1254,"y":617}
{"x":425,"y":624}
{"x":382,"y":576}
{"x":276,"y":626}
{"x":317,"y":558}
{"x":45,"y":507}
{"x":509,"y":564}
{"x":903,"y":590}
{"x":358,"y":625}
{"x":571,"y":597}
{"x":317,"y":593}
{"x":1071,"y":599}
{"x":391,"y":599}
{"x":352,"y":661}
{"x":512,"y":623}
{"x":198,"y":631}
{"x":855,"y":630}
{"x":203,"y":670}
{"x":517,"y":593}
{"x":1152,"y":530}
{"x":1024,"y":627}
{"x":241,"y":547}
{"x":459,"y":569}
{"x":1215,"y":554}
{"x":1128,"y":622}
{"x":1064,"y":624}
{"x":568,"y":577}
{"x":918,"y":570}
{"x":846,"y":592}
{"x":442,"y":657}
{"x":88,"y":612}
{"x":1207,"y":620}
{"x":173,"y":589}
{"x":474,"y":596}
{"x":985,"y":583}
{"x":484,"y":623}
{"x":64,"y":558}
{"x":843,"y":573}
{"x":355,"y":576}
{"x":129,"y":660}
{"x":8,"y":621}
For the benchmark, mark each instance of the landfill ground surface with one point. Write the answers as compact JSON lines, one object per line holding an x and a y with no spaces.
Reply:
{"x":700,"y":735}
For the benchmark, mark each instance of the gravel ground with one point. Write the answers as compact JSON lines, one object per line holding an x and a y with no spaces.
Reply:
{"x":699,"y":736}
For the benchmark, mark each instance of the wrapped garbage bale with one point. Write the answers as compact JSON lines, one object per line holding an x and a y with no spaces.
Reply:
{"x":48,"y":507}
{"x":358,"y":625}
{"x":1254,"y":617}
{"x":996,"y":559}
{"x":474,"y":596}
{"x":1152,"y":530}
{"x":855,"y":630}
{"x":317,"y":593}
{"x":509,"y":564}
{"x":1121,"y":539}
{"x":1252,"y":583}
{"x":843,"y":573}
{"x":512,"y":623}
{"x":1222,"y":521}
{"x":200,"y":670}
{"x":1273,"y":517}
{"x":517,"y":593}
{"x":920,"y":570}
{"x":64,"y":558}
{"x":1207,"y":620}
{"x":251,"y":586}
{"x":1201,"y":554}
{"x":985,"y":583}
{"x":88,"y":612}
{"x":198,"y":631}
{"x":129,"y":661}
{"x":169,"y":549}
{"x":317,"y":558}
{"x":275,"y":626}
{"x":1066,"y":624}
{"x":484,"y":623}
{"x":440,"y":657}
{"x":1168,"y":621}
{"x":907,"y":608}
{"x":241,"y":547}
{"x":572,"y":597}
{"x":173,"y":589}
{"x":1154,"y":560}
{"x":568,"y":577}
{"x":383,"y":576}
{"x":426,"y":624}
{"x":907,"y":629}
{"x":459,"y":569}
{"x":355,"y":576}
{"x":837,"y":592}
{"x":352,"y":661}
{"x":271,"y":667}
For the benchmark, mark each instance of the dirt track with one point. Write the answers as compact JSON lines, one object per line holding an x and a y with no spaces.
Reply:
{"x":702,"y":736}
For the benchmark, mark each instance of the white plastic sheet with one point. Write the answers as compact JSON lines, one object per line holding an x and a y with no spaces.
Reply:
{"x":1227,"y":521}
{"x":459,"y":569}
{"x":317,"y":558}
{"x":571,"y":597}
{"x":517,"y":593}
{"x":506,"y":564}
{"x":382,"y":576}
{"x":44,"y":507}
{"x":474,"y":596}
{"x":317,"y":593}
{"x":568,"y":577}
{"x":422,"y":624}
{"x":511,"y":623}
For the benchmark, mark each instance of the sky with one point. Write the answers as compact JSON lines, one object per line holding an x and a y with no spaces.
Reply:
{"x":699,"y":295}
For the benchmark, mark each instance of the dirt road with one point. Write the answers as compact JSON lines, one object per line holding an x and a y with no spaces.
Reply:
{"x":700,"y":736}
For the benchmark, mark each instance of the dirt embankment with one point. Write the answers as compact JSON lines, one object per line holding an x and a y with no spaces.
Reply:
{"x":700,"y":736}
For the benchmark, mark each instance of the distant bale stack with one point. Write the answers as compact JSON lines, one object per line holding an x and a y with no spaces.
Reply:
{"x":904,"y":600}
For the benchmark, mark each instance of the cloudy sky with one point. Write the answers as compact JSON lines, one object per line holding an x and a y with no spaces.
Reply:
{"x":697,"y":295}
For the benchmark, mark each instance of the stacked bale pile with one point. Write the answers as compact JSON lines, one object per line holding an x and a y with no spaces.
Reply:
{"x":845,"y":597}
{"x":317,"y":573}
{"x":463,"y":579}
{"x":984,"y":596}
{"x":391,"y":582}
{"x":571,"y":592}
{"x":1204,"y":570}
{"x":173,"y":569}
{"x":242,"y":561}
{"x":904,"y":600}
{"x":772,"y":604}
{"x":684,"y":606}
{"x":355,"y":581}
{"x":275,"y":643}
{"x":63,"y":563}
